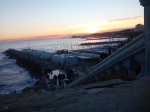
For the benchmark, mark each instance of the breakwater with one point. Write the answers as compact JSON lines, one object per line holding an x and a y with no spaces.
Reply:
{"x":32,"y":63}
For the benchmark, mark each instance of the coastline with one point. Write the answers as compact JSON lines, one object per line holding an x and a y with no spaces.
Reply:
{"x":12,"y":76}
{"x":35,"y":64}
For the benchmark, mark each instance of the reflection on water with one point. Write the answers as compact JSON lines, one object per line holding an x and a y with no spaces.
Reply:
{"x":47,"y":45}
{"x":94,"y":40}
{"x":54,"y":44}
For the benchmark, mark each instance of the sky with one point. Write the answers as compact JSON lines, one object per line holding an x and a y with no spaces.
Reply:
{"x":21,"y":19}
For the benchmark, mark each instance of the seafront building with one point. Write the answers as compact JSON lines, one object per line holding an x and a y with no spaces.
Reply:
{"x":64,"y":59}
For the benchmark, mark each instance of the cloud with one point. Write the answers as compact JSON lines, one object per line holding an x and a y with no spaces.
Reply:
{"x":35,"y":38}
{"x":123,"y":19}
{"x":120,"y":24}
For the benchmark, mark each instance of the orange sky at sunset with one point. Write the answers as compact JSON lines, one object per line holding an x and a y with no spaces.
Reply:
{"x":40,"y":19}
{"x":72,"y":29}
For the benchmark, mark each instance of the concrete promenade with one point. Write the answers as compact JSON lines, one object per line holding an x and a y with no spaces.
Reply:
{"x":108,"y":96}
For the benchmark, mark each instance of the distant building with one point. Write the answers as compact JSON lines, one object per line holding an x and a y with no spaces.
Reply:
{"x":39,"y":54}
{"x":139,"y":28}
{"x":65,"y":59}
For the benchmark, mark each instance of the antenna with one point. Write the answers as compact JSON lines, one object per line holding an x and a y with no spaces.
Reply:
{"x":28,"y":45}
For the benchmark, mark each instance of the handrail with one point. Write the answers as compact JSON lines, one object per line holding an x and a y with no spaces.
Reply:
{"x":109,"y":61}
{"x":121,"y":49}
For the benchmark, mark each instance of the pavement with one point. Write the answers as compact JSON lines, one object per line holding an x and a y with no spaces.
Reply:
{"x":107,"y":96}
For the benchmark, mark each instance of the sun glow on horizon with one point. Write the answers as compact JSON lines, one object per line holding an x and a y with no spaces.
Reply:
{"x":48,"y":32}
{"x":22,"y":20}
{"x":92,"y":30}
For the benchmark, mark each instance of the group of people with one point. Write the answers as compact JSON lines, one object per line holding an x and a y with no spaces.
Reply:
{"x":53,"y":77}
{"x":70,"y":76}
{"x":60,"y":78}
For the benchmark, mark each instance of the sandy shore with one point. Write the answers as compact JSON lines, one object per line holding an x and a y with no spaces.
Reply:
{"x":122,"y":96}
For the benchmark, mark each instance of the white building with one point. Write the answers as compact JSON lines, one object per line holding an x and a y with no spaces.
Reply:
{"x":40,"y":54}
{"x":139,"y":27}
{"x":65,"y":59}
{"x":86,"y":56}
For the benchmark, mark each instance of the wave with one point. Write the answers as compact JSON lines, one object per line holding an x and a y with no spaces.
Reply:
{"x":13,"y":77}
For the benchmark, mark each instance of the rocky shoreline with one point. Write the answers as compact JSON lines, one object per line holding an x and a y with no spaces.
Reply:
{"x":33,"y":65}
{"x":38,"y":86}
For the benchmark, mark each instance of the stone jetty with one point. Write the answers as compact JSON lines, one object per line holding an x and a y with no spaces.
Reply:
{"x":32,"y":63}
{"x":37,"y":66}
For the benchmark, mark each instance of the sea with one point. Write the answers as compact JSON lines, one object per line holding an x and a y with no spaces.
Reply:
{"x":15,"y":78}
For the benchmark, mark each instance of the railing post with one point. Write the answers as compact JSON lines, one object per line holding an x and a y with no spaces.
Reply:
{"x":141,"y":60}
{"x":129,"y":65}
{"x":146,"y":5}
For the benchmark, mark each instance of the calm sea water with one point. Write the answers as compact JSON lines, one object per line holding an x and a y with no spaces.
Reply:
{"x":46,"y":45}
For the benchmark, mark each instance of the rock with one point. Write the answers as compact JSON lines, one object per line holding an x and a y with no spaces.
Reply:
{"x":37,"y":82}
{"x":94,"y":91}
{"x":27,"y":89}
{"x":38,"y":87}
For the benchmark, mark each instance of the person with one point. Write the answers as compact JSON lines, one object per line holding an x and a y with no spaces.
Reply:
{"x":109,"y":50}
{"x":59,"y":78}
{"x":50,"y":70}
{"x":76,"y":73}
{"x":63,"y":76}
{"x":50,"y":76}
{"x":47,"y":76}
{"x":68,"y":75}
{"x":55,"y":79}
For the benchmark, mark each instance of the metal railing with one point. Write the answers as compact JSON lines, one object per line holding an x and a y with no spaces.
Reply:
{"x":129,"y":49}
